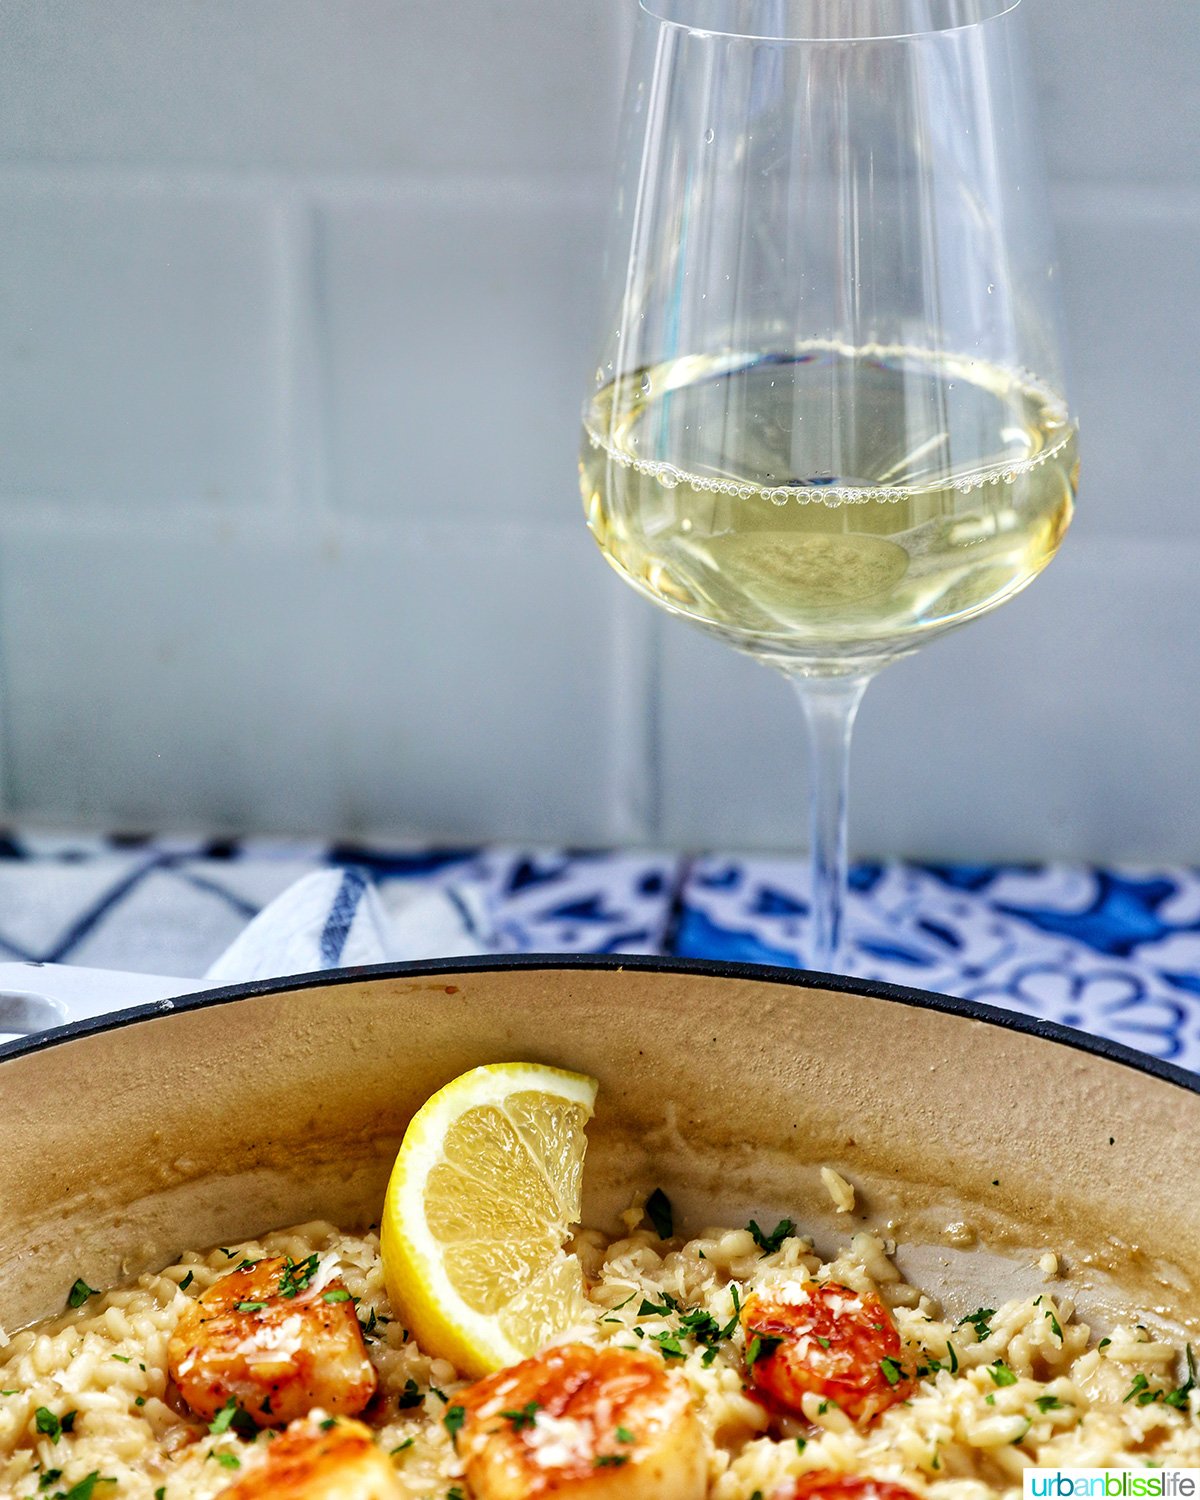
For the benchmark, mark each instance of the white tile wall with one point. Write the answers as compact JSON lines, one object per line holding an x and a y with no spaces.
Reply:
{"x":139,"y":346}
{"x":1131,"y":288}
{"x":1119,"y":89}
{"x":425,"y":677}
{"x":304,"y":85}
{"x":1065,"y":724}
{"x":296,"y":307}
{"x":457,"y":329}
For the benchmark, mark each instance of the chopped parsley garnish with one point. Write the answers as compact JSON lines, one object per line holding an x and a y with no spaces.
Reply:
{"x":441,"y":1395}
{"x":526,"y":1416}
{"x":227,"y":1460}
{"x":161,"y":1492}
{"x":220,"y":1423}
{"x":48,"y":1478}
{"x":658,"y":1206}
{"x":83,"y":1489}
{"x":410,"y":1396}
{"x":232,"y":1416}
{"x":953,"y":1358}
{"x":248,"y":1306}
{"x":228,"y":1254}
{"x":1145,"y":1394}
{"x":611,"y":1460}
{"x":455,"y":1493}
{"x":1048,"y":1403}
{"x":650,"y":1309}
{"x":801,"y":1444}
{"x":703,"y":1327}
{"x":400,"y":1447}
{"x":336,"y":1294}
{"x":51,"y":1426}
{"x":328,"y":1424}
{"x":80,"y":1292}
{"x":979,"y":1321}
{"x":1055,"y":1325}
{"x":1104,"y":1343}
{"x":126,"y":1359}
{"x":1001,"y":1373}
{"x":668,"y":1343}
{"x":187,"y":1281}
{"x":891,"y":1370}
{"x":624,"y":1435}
{"x":1178,"y":1398}
{"x":824,"y":1343}
{"x":761,"y":1345}
{"x":769,"y":1243}
{"x":369,"y":1327}
{"x":452,"y":1419}
{"x":296,"y":1275}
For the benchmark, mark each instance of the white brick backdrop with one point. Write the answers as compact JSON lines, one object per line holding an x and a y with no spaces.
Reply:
{"x":296,"y":310}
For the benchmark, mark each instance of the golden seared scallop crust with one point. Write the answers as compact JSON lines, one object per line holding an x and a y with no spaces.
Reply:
{"x":813,"y":1342}
{"x":592,"y":1424}
{"x":277,"y":1337}
{"x":329,"y":1459}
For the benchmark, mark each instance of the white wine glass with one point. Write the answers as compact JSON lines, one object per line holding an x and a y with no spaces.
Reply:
{"x":829,"y":419}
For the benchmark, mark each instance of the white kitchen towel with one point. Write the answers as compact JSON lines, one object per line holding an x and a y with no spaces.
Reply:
{"x":337,"y":918}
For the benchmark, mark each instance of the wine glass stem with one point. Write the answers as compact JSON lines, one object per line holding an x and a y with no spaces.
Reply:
{"x":830,"y":705}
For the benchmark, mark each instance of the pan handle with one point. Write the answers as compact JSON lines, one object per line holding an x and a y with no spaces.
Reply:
{"x":35,"y":996}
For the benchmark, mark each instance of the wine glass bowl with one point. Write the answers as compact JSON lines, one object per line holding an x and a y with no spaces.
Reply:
{"x":829,"y":421}
{"x":951,"y":493}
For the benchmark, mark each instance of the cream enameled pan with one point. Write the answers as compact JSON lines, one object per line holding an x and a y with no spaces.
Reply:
{"x":975,"y":1139}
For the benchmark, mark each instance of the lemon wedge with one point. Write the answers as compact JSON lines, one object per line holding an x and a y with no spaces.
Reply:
{"x":485,"y":1187}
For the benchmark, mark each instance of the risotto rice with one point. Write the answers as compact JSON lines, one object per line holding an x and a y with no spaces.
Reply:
{"x":88,"y":1393}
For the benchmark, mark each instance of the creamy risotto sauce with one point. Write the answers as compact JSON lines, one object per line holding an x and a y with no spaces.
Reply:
{"x":88,"y":1408}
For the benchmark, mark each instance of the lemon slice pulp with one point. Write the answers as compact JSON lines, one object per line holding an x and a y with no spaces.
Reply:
{"x":485,"y":1187}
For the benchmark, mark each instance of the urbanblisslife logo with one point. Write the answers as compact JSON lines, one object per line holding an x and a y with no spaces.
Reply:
{"x":1111,"y":1484}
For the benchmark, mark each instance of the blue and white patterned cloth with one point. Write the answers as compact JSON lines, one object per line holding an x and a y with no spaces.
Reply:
{"x":1113,"y":952}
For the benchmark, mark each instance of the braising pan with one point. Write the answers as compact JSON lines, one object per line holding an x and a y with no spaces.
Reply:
{"x":975,"y":1139}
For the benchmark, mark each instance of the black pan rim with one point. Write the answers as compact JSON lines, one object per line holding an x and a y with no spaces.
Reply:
{"x":804,"y":979}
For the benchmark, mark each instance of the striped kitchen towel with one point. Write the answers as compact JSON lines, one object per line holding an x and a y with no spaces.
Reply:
{"x":339,"y":917}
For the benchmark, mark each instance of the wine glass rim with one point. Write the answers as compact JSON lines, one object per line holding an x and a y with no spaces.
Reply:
{"x":661,"y":10}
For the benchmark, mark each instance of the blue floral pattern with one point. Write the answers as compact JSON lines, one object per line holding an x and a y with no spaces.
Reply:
{"x":1115,"y":952}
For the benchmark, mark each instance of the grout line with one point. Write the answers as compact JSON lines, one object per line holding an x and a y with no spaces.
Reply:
{"x":103,"y":179}
{"x":309,"y":375}
{"x":8,"y":798}
{"x":633,"y":674}
{"x":1108,"y":197}
{"x":654,"y":730}
{"x":288,"y":317}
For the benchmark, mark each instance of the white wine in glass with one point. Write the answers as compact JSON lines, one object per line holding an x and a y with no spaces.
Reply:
{"x":829,"y":420}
